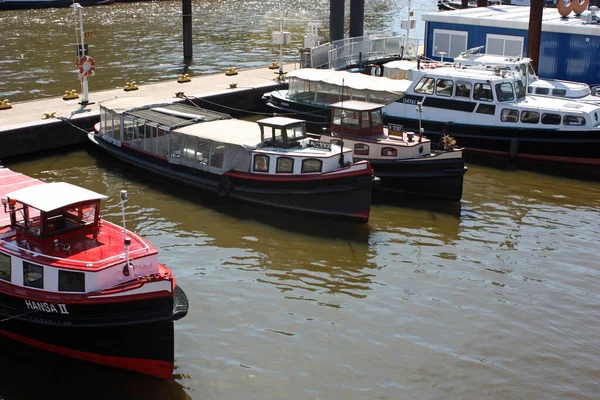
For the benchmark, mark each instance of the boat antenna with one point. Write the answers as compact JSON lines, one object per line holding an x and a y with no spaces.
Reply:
{"x":420,"y":111}
{"x":126,"y":240}
{"x":342,"y":117}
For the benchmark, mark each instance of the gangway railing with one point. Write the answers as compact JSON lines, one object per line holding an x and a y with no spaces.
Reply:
{"x":343,"y":53}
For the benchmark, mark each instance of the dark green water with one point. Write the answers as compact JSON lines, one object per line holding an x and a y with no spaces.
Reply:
{"x":495,"y":298}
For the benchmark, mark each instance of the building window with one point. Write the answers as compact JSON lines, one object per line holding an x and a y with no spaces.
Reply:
{"x":573,"y":120}
{"x":285,"y":165}
{"x":530,"y":117}
{"x":425,"y":86}
{"x":5,"y":266}
{"x":311,"y":165}
{"x":361,"y":149}
{"x":70,"y":281}
{"x":261,"y":163}
{"x":488,"y":109}
{"x":444,"y":87}
{"x":550,"y":119}
{"x":483,"y":91}
{"x":508,"y":115}
{"x":504,"y":45}
{"x":33,"y":275}
{"x":389,"y":152}
{"x":451,"y":43}
{"x":463,"y":89}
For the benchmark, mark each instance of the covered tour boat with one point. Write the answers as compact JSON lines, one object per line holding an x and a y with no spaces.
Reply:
{"x":77,"y":285}
{"x":270,"y":162}
{"x":404,"y":161}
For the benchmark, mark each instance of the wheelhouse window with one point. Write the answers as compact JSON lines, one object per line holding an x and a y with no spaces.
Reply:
{"x":559,"y":92}
{"x":389,"y":152}
{"x":311,"y":165}
{"x":376,"y":118}
{"x":530,"y":117}
{"x":71,"y":281}
{"x":425,"y":85}
{"x":33,"y":275}
{"x":70,"y":218}
{"x":444,"y":87}
{"x":483,"y":92}
{"x":488,"y":109}
{"x":5,"y":267}
{"x":261,"y":163}
{"x":361,"y":149}
{"x":504,"y":92}
{"x":551,"y":119}
{"x":285,"y":165}
{"x":542,"y":91}
{"x":508,"y":115}
{"x":450,"y":42}
{"x":573,"y":120}
{"x":504,"y":45}
{"x":519,"y":90}
{"x":349,"y":118}
{"x":463,"y":89}
{"x":364,"y":121}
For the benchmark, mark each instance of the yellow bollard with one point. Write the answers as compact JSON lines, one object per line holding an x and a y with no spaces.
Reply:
{"x":231,"y":71}
{"x":49,"y":115}
{"x":5,"y":105}
{"x":184,"y":78}
{"x":129,"y":86}
{"x":274,"y":65}
{"x":70,"y":95}
{"x":232,"y":85}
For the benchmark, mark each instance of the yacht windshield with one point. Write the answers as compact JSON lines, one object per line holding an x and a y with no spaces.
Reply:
{"x":504,"y":91}
{"x":519,"y":89}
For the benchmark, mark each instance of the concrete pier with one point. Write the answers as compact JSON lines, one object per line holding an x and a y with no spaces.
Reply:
{"x":38,"y":125}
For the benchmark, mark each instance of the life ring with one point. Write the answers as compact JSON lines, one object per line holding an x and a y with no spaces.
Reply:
{"x":576,"y":6}
{"x":86,"y":66}
{"x":224,"y":186}
{"x":376,"y":70}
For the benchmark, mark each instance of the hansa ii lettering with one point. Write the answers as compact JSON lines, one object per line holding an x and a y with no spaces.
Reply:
{"x":46,"y":307}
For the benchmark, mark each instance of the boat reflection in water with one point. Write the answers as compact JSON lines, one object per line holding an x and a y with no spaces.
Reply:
{"x":74,"y":284}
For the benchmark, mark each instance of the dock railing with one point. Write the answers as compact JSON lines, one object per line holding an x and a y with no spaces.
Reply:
{"x":343,"y":53}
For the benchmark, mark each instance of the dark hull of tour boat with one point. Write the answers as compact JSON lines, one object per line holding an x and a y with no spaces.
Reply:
{"x":346,"y":197}
{"x":137,"y":342}
{"x":569,"y":148}
{"x":36,"y":4}
{"x":438,"y":177}
{"x":308,"y":111}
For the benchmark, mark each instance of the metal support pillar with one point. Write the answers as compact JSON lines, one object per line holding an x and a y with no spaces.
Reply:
{"x":187,"y":28}
{"x":534,"y":35}
{"x":336,"y":20}
{"x":357,"y":18}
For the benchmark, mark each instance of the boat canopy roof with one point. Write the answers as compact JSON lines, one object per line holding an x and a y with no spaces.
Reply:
{"x":352,"y":80}
{"x":356,"y":105}
{"x":230,"y":131}
{"x":280,"y":122}
{"x":53,"y":196}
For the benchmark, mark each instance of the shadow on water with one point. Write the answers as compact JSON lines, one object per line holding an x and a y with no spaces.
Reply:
{"x":30,"y":373}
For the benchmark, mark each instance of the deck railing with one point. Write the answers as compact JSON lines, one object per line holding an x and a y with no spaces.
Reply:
{"x":343,"y":53}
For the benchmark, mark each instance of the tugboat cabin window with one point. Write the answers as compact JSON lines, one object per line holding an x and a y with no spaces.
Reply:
{"x":71,"y":281}
{"x":488,"y":109}
{"x":311,"y":165}
{"x":70,"y":218}
{"x":376,"y":118}
{"x":364,"y":122}
{"x":551,"y":119}
{"x":5,"y":267}
{"x":33,"y":275}
{"x":285,"y":165}
{"x":509,"y":115}
{"x":361,"y":149}
{"x":261,"y":163}
{"x":573,"y":120}
{"x":530,"y":117}
{"x":483,"y":91}
{"x":389,"y":152}
{"x":504,"y":92}
{"x":541,"y":90}
{"x":425,"y":85}
{"x":463,"y":89}
{"x":444,"y":87}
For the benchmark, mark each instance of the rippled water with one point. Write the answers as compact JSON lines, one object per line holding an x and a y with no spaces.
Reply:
{"x":494,"y":298}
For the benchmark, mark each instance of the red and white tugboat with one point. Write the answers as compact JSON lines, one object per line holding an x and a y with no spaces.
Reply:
{"x":74,"y":284}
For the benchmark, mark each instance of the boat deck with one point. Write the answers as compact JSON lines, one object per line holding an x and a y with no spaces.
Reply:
{"x":9,"y":182}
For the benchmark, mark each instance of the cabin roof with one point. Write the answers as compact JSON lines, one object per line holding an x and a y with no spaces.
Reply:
{"x":280,"y":121}
{"x":352,"y":80}
{"x":467,"y":73}
{"x":356,"y":105}
{"x":232,"y":131}
{"x":53,"y":196}
{"x":514,"y":17}
{"x":176,"y":115}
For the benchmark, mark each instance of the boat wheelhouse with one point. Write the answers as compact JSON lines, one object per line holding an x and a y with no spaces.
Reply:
{"x":311,"y":91}
{"x":404,"y":161}
{"x":489,"y":112}
{"x":270,"y":162}
{"x":77,"y":285}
